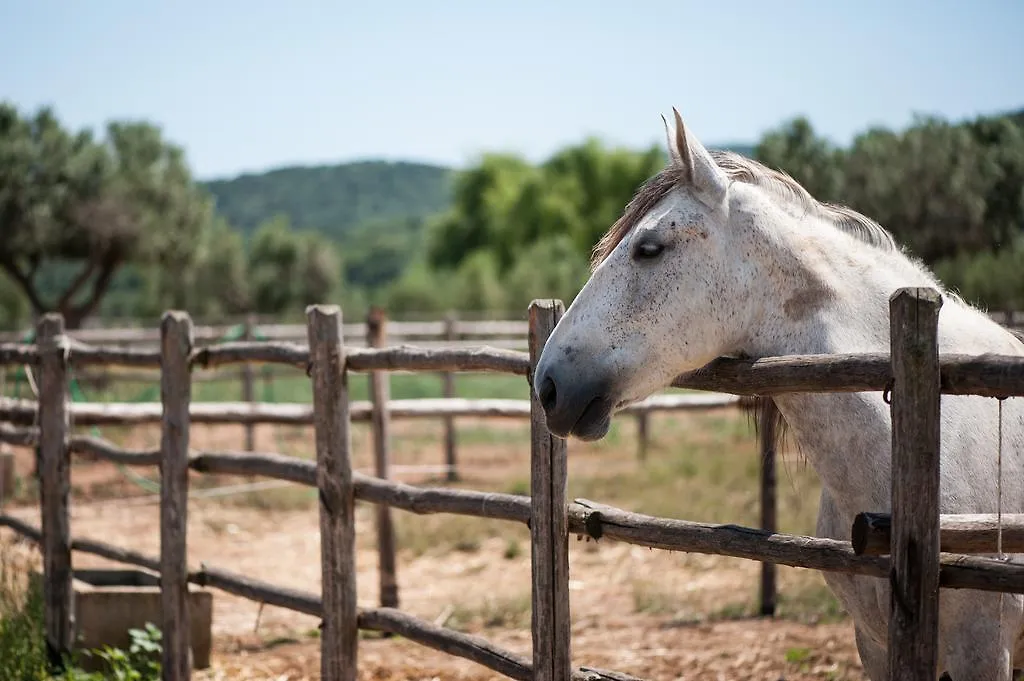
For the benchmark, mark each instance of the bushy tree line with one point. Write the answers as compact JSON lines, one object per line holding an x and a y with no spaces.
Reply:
{"x":517,"y":231}
{"x":117,"y":224}
{"x":952,"y":194}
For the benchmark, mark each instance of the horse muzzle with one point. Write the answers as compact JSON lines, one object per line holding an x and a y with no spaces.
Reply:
{"x":575,"y":402}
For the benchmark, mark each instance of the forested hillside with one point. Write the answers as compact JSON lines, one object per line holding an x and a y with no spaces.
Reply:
{"x":336,"y":198}
{"x":333,"y":199}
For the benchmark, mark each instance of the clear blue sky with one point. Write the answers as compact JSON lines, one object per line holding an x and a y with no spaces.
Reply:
{"x":246,"y":86}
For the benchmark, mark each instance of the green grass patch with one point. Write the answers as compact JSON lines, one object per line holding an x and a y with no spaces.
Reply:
{"x":293,"y":386}
{"x":809,"y":601}
{"x":441,"y":534}
{"x":22,"y":641}
{"x":651,"y":597}
{"x":708,"y":472}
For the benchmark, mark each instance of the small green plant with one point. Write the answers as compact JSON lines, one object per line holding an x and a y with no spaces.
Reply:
{"x":512,"y":549}
{"x":798,"y":655}
{"x":141,"y":662}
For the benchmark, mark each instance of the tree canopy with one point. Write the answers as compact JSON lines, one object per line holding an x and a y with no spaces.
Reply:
{"x":88,"y":207}
{"x":118,"y":225}
{"x":951,"y":193}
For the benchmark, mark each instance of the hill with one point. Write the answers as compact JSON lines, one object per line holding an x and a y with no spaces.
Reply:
{"x":741,"y":149}
{"x":334,"y":198}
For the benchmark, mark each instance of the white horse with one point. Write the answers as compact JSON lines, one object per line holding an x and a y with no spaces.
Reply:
{"x":719,"y":256}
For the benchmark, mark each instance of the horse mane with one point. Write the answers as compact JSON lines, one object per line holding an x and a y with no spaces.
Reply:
{"x":741,"y":169}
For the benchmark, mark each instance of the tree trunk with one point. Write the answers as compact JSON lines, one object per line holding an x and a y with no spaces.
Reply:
{"x":74,"y":315}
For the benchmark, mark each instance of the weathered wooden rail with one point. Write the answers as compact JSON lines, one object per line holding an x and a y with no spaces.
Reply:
{"x":451,"y":328}
{"x":914,"y":373}
{"x":454,"y":326}
{"x":299,"y":413}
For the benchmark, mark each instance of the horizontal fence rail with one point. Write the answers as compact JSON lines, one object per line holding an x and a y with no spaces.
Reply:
{"x":300,"y":413}
{"x":354,"y":333}
{"x":453,"y":327}
{"x":989,"y":376}
{"x":985,"y":533}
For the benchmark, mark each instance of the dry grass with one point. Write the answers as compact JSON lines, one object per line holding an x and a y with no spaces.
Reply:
{"x":508,"y":611}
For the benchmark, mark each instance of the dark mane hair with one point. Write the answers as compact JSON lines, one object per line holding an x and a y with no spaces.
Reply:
{"x":741,"y":169}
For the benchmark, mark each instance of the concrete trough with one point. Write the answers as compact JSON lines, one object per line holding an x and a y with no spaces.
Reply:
{"x":109,"y":602}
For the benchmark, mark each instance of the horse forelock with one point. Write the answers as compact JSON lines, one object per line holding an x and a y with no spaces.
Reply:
{"x":738,"y":168}
{"x":646,"y":198}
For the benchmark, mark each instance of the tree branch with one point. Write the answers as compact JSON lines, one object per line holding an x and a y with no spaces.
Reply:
{"x":24,"y":281}
{"x":75,"y":315}
{"x":79,"y":281}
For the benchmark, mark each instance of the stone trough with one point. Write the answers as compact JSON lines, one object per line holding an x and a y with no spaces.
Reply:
{"x":109,"y":602}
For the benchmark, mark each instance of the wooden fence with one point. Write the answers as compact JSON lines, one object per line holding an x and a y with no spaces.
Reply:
{"x":914,"y":375}
{"x":450,"y":332}
{"x":375,"y":332}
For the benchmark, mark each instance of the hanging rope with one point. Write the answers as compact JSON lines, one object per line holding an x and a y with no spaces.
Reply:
{"x":999,"y":507}
{"x":999,"y":488}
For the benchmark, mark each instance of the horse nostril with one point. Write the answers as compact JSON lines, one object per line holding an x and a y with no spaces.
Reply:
{"x":548,"y":394}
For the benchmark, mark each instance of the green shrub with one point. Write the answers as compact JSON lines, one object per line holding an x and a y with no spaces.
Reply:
{"x":22,"y":641}
{"x":23,"y":655}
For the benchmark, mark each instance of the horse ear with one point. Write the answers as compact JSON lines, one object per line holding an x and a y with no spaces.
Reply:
{"x":673,"y":151}
{"x":701,"y":171}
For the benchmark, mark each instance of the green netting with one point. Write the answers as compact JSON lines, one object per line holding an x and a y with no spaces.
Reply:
{"x":78,"y":395}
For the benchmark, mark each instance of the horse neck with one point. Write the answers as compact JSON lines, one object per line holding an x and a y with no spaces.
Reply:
{"x":845,"y":436}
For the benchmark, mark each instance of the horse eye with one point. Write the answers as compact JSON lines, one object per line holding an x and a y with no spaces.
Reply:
{"x":648,"y":249}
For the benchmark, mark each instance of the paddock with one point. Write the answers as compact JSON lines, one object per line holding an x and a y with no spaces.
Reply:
{"x":548,"y":514}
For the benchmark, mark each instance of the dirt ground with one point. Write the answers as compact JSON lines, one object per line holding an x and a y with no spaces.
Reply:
{"x":653,"y":614}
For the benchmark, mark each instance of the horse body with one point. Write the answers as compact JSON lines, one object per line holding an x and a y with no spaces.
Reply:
{"x":717,"y":256}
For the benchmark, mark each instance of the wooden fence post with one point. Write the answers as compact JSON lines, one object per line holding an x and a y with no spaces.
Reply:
{"x":915,"y":407}
{"x":337,"y":497}
{"x":176,"y":338}
{"x":549,"y":526}
{"x":376,"y":337}
{"x":248,"y":383}
{"x":55,"y":485}
{"x":448,"y":379}
{"x":643,"y":419}
{"x":769,"y":421}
